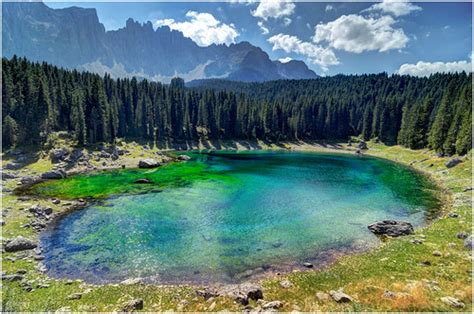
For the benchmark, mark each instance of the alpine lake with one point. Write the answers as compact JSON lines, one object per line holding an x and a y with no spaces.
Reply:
{"x":224,"y":216}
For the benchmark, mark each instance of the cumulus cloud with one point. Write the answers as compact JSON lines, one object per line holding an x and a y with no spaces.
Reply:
{"x":427,"y":68}
{"x":356,"y":33}
{"x":263,"y":28}
{"x":324,"y":57}
{"x":285,"y":60}
{"x":273,"y":9}
{"x":395,"y":7}
{"x":203,"y":28}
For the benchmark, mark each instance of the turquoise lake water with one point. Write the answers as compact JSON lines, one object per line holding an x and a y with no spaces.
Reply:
{"x":246,"y":212}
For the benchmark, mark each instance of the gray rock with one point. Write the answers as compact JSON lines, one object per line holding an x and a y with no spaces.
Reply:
{"x":183,"y":157}
{"x":453,"y":162}
{"x":9,"y":175}
{"x":252,"y":291}
{"x":437,"y":253}
{"x":389,"y":294}
{"x":308,"y":265}
{"x":417,"y":241}
{"x":74,"y":296}
{"x":462,"y":235}
{"x":14,"y":277}
{"x":286,"y":284}
{"x":28,"y":180}
{"x":362,"y":145}
{"x":58,"y":155}
{"x":468,"y":242}
{"x":13,"y":166}
{"x":453,"y":215}
{"x":54,"y":174}
{"x":148,"y":163}
{"x":272,"y":305}
{"x":207,"y":293}
{"x":467,"y":189}
{"x":391,"y":228}
{"x":340,"y":296}
{"x":19,"y":244}
{"x":130,"y":306}
{"x":452,"y":302}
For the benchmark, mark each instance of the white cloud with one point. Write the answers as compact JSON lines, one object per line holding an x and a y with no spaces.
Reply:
{"x":264,"y":29}
{"x":395,"y":7}
{"x":285,"y":60}
{"x":355,"y":33}
{"x":273,"y":9}
{"x":287,"y":21}
{"x":203,"y":28}
{"x":328,"y":8}
{"x":324,"y":57}
{"x":427,"y":68}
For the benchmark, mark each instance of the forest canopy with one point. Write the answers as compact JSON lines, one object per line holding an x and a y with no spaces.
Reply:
{"x":39,"y":98}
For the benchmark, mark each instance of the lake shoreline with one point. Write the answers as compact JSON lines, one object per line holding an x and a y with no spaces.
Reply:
{"x":320,"y":148}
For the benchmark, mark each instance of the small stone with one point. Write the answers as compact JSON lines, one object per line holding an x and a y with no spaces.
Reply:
{"x":308,"y":265}
{"x":135,"y":304}
{"x":461,"y":235}
{"x":132,"y":281}
{"x":21,"y":271}
{"x":437,"y":253}
{"x":43,"y":286}
{"x":183,"y":158}
{"x":56,"y":201}
{"x":272,"y":305}
{"x":322,"y":296}
{"x":74,"y":296}
{"x":389,"y":294}
{"x":452,"y":302}
{"x":340,"y":297}
{"x":14,"y":277}
{"x":416,"y":241}
{"x":426,"y":263}
{"x":453,"y":215}
{"x":285,"y":284}
{"x":148,"y":163}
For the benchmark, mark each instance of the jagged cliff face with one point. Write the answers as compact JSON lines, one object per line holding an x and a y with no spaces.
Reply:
{"x":74,"y":38}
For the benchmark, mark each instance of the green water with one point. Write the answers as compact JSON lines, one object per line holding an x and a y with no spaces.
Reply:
{"x":216,"y":217}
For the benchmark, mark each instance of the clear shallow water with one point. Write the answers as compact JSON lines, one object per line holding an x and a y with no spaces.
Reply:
{"x":220,"y":215}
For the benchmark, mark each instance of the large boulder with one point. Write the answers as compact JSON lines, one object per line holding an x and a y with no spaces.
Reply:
{"x":13,"y":166}
{"x":19,"y":244}
{"x":453,"y":162}
{"x":148,"y":163}
{"x":54,"y":174}
{"x":391,"y":228}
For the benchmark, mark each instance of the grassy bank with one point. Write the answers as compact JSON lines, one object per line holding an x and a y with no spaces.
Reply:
{"x":415,"y":278}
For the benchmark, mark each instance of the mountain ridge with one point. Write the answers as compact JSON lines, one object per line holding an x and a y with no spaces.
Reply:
{"x":73,"y":37}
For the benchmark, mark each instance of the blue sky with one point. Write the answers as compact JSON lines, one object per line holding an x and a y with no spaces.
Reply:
{"x":410,"y":38}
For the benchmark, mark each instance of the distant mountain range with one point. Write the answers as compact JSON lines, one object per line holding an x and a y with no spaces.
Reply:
{"x":74,"y":38}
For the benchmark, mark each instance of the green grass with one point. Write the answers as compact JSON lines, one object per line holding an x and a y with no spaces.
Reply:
{"x":395,"y":266}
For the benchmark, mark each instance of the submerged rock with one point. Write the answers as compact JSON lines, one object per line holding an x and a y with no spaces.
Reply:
{"x":391,"y":228}
{"x":19,"y":244}
{"x":143,"y":181}
{"x":148,"y":163}
{"x":183,"y":157}
{"x":453,"y":162}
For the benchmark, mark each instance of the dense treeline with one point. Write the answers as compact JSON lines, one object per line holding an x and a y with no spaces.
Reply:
{"x":430,"y":112}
